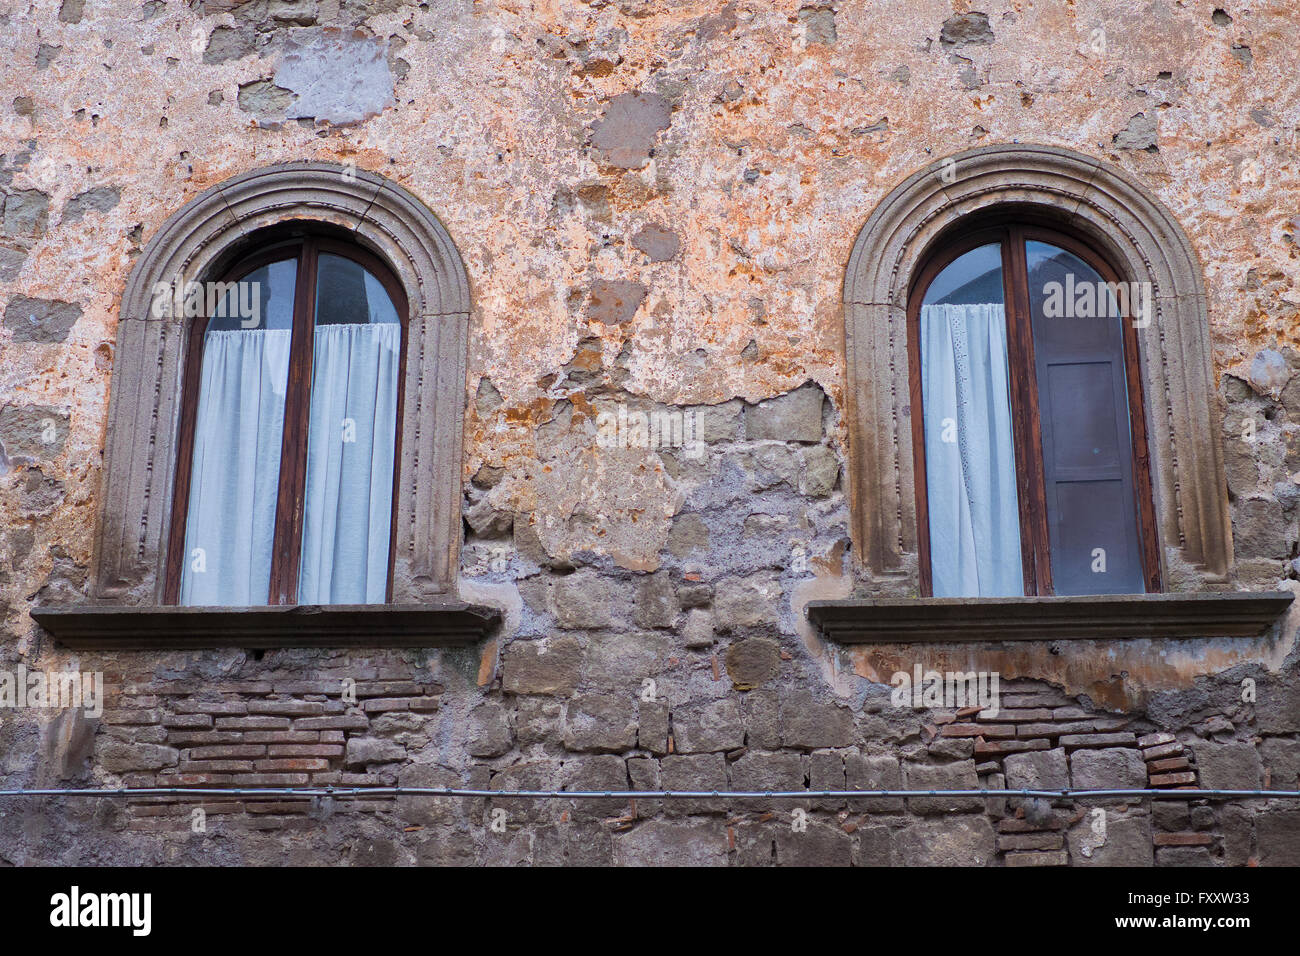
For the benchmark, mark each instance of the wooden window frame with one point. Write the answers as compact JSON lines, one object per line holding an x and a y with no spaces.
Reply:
{"x":1117,"y":215}
{"x":290,"y":504}
{"x":1035,"y":542}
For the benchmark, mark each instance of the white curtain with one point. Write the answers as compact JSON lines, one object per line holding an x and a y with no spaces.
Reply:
{"x":235,"y":474}
{"x":350,"y":447}
{"x":969,"y":457}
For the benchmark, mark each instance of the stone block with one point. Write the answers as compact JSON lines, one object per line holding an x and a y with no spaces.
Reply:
{"x":656,"y":601}
{"x":489,"y":733}
{"x":810,"y":724}
{"x":874,"y":772}
{"x":583,"y":600}
{"x":708,"y":727}
{"x":672,"y":843}
{"x":794,"y":416}
{"x":819,"y":844}
{"x":1111,"y":768}
{"x":945,"y":841}
{"x":1228,"y":766}
{"x":542,"y":667}
{"x":951,"y":776}
{"x":600,"y":722}
{"x":1105,"y":837}
{"x":753,"y":662}
{"x":1038,"y":770}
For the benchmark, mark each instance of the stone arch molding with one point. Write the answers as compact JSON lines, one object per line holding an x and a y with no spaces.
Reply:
{"x":1124,"y":220}
{"x":145,"y":399}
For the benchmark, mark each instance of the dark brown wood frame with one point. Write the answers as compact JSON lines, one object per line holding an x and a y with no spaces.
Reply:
{"x":287,"y":548}
{"x":1035,"y":544}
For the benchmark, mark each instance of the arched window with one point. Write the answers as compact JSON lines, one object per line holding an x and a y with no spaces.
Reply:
{"x":290,"y":419}
{"x":1030,"y":448}
{"x":285,"y":425}
{"x":1118,"y":230}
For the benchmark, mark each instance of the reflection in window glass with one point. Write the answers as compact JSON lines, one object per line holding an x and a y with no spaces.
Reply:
{"x":347,"y":294}
{"x":263,"y":299}
{"x":1084,"y":415}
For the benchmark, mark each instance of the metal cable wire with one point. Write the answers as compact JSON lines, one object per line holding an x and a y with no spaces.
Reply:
{"x":315,"y":792}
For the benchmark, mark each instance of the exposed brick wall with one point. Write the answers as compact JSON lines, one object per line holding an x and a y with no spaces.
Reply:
{"x":259,"y":728}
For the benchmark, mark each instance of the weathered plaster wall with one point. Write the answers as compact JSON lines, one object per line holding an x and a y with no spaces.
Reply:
{"x":655,"y":202}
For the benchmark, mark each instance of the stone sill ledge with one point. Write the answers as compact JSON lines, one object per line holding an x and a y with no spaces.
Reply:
{"x":93,"y":627}
{"x":1086,"y":617}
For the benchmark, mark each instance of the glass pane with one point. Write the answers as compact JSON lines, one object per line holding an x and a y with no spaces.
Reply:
{"x":351,"y":439}
{"x":235,"y":471}
{"x":970,"y":464}
{"x":972,"y":278}
{"x":1084,"y":413}
{"x":347,"y":294}
{"x":263,"y":299}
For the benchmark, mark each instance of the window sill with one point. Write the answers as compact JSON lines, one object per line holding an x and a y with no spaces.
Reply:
{"x":1090,"y":617}
{"x":443,"y":624}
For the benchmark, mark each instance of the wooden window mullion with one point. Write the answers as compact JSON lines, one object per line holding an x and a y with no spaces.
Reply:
{"x":287,"y":552}
{"x":1031,"y":489}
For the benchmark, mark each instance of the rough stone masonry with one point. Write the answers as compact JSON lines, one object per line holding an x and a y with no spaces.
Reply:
{"x":655,"y":202}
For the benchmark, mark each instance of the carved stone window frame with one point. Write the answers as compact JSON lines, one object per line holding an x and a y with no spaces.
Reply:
{"x":145,"y":399}
{"x":1121,"y":218}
